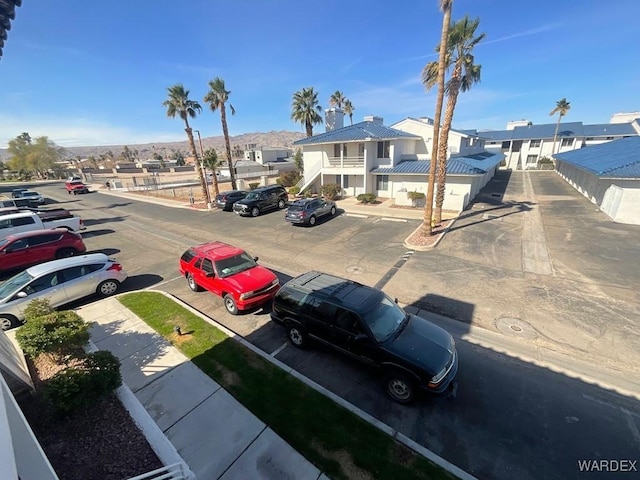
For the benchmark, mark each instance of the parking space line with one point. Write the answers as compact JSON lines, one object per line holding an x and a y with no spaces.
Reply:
{"x":390,"y":219}
{"x":156,"y":285}
{"x":279,"y":349}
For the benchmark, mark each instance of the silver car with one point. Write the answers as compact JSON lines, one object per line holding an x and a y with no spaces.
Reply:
{"x":60,"y":281}
{"x":32,"y":196}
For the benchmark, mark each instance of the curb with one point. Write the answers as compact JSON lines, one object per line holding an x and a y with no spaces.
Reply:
{"x":421,"y":248}
{"x":400,"y":437}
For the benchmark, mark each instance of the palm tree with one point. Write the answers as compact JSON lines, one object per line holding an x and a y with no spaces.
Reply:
{"x":465,"y":73}
{"x":445,"y":6}
{"x":305,"y":109}
{"x":337,"y":99}
{"x":210,"y":161}
{"x":178,"y":104}
{"x":348,"y":109}
{"x":217,"y":97}
{"x":562,"y":108}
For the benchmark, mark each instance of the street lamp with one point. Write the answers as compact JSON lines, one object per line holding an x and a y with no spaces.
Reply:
{"x":204,"y":171}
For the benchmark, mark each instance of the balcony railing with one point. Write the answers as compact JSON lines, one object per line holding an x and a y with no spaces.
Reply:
{"x":343,"y":162}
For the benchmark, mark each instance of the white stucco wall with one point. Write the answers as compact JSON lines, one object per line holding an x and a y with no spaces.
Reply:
{"x":456,"y":191}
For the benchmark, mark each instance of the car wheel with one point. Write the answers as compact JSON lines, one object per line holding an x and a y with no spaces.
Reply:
{"x":230,"y":304}
{"x":281,"y":204}
{"x":192,"y":283}
{"x":66,"y":252}
{"x":298,"y":336}
{"x":108,"y":288}
{"x":399,"y":387}
{"x":312,"y":220}
{"x":255,"y":211}
{"x":333,"y":211}
{"x":8,"y":321}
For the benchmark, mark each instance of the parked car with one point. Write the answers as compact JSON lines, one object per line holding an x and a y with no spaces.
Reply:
{"x":43,"y":213}
{"x":33,"y":197}
{"x":229,"y":272}
{"x":17,"y":192}
{"x":308,"y":210}
{"x":25,"y":221}
{"x":225,"y":200}
{"x":76,"y":187}
{"x":37,"y":246}
{"x":261,"y":200}
{"x":365,"y":324}
{"x":60,"y":281}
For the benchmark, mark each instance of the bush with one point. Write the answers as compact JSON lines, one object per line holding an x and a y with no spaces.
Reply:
{"x":289,"y":178}
{"x":57,"y":332}
{"x":37,"y":308}
{"x":545,"y":161}
{"x":75,"y":387}
{"x":294,"y":190}
{"x":366,"y":197}
{"x":415,"y":195}
{"x":254,"y":185}
{"x":331,"y":191}
{"x":307,"y":193}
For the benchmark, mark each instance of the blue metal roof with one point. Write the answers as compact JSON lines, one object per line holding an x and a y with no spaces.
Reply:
{"x":570,"y":129}
{"x":356,"y":132}
{"x":616,"y":159}
{"x":608,"y":129}
{"x":477,"y":164}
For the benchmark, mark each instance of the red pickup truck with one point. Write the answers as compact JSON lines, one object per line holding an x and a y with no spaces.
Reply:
{"x":76,"y":187}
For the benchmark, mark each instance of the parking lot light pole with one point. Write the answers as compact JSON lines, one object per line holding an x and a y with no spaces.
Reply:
{"x":204,"y":172}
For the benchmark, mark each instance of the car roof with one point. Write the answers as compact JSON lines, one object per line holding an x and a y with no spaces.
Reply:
{"x":303,"y":201}
{"x":342,"y":290}
{"x":217,"y":250}
{"x":55,"y":265}
{"x":35,"y":233}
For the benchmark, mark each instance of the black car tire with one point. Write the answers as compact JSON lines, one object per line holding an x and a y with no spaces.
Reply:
{"x":333,"y":211}
{"x":312,"y":220}
{"x":230,"y":304}
{"x":192,"y":283}
{"x":399,"y":386}
{"x":108,"y":288}
{"x":8,"y":321}
{"x":298,"y":336}
{"x":66,"y":252}
{"x":255,"y":211}
{"x":281,"y":204}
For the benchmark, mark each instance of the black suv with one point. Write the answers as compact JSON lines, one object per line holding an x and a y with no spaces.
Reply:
{"x":225,"y":200}
{"x":365,"y":324}
{"x":262,"y":199}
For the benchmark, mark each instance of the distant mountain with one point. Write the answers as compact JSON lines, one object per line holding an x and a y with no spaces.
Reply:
{"x":280,"y":139}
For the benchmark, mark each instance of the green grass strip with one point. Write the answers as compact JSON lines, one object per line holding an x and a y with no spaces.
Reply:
{"x":335,"y":440}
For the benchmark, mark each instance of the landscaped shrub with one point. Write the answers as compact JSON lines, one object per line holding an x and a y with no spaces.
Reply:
{"x":307,"y":193}
{"x":415,"y":197}
{"x":331,"y":191}
{"x":74,"y":387}
{"x":545,"y":161}
{"x":254,"y":185}
{"x":294,"y":190}
{"x":37,"y":308}
{"x":57,"y":332}
{"x":366,"y":197}
{"x":289,"y":178}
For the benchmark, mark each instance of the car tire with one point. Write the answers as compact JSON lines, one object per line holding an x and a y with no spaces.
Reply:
{"x":333,"y":211}
{"x":108,"y":288}
{"x":312,"y":220}
{"x":66,"y":252}
{"x":399,"y":387}
{"x":298,"y":336}
{"x":230,"y":304}
{"x":192,"y":283}
{"x":8,"y":322}
{"x":281,"y":204}
{"x":255,"y":211}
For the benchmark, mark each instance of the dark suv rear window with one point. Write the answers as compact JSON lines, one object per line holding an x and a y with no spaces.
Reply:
{"x":188,"y":256}
{"x":291,"y":298}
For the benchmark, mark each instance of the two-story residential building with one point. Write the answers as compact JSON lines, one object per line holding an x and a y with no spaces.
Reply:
{"x":369,"y":157}
{"x":524,"y":144}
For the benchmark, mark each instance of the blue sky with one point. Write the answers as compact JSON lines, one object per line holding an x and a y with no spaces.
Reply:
{"x":96,"y":72}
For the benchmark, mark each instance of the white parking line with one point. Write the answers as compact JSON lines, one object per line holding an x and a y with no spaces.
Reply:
{"x":279,"y":349}
{"x":356,"y":215}
{"x":390,"y":219}
{"x":156,"y":285}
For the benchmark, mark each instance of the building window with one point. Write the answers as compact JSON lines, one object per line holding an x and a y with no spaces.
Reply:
{"x":337,"y":147}
{"x":532,"y":158}
{"x":506,"y":146}
{"x":534,"y":143}
{"x":382,"y":183}
{"x":346,"y":181}
{"x":566,"y":142}
{"x":361,"y":149}
{"x":384,"y":149}
{"x":589,"y":138}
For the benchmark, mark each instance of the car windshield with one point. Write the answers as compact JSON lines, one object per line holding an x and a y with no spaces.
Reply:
{"x":30,"y":194}
{"x":232,"y":265}
{"x":253,"y":196}
{"x":14,"y":283}
{"x":385,"y":318}
{"x":3,"y":243}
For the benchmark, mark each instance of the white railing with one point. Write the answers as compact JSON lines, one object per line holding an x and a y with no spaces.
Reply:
{"x":170,"y":472}
{"x":309,"y":175}
{"x":348,"y":162}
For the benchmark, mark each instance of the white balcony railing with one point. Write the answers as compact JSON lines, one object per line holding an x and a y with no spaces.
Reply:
{"x":343,"y":162}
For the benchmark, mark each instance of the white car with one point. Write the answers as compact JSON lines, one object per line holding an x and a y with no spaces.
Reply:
{"x":32,"y":196}
{"x":60,"y":281}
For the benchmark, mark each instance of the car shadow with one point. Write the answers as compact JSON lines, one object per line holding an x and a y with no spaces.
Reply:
{"x":140,"y":282}
{"x":107,"y":251}
{"x":98,"y":221}
{"x":96,"y":233}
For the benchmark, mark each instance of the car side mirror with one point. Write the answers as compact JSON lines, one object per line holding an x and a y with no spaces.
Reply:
{"x":255,"y":259}
{"x":211,"y":275}
{"x":360,"y":336}
{"x":395,"y":300}
{"x":21,"y":295}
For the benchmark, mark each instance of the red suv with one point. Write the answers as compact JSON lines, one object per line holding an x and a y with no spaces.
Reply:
{"x":229,"y":272}
{"x":29,"y":248}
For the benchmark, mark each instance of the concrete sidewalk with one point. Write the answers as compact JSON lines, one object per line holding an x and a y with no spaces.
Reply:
{"x":215,"y":435}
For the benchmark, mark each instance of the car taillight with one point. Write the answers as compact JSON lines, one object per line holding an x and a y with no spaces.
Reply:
{"x":115,"y":266}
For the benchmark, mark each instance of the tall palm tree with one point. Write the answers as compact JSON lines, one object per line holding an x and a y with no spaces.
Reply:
{"x":337,"y":99}
{"x":445,"y":6}
{"x":305,"y":109}
{"x":461,"y":42}
{"x":179,"y":104}
{"x":348,"y":109}
{"x":210,"y":160}
{"x":562,"y":108}
{"x":217,"y":97}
